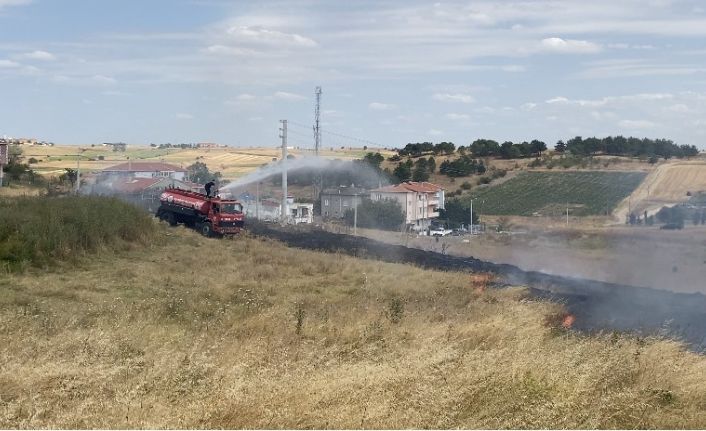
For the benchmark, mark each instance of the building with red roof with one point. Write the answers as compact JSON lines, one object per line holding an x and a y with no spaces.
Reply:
{"x":420,"y":201}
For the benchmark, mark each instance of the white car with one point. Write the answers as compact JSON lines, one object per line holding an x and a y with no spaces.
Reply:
{"x":439,"y":232}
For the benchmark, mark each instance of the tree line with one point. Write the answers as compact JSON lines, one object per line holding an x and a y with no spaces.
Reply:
{"x":578,"y":146}
{"x":425,"y":148}
{"x":622,"y":146}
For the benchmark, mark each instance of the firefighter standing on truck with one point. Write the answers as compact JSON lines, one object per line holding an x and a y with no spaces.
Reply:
{"x":209,"y":186}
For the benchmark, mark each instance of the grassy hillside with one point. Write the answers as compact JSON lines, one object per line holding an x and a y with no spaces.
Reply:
{"x":201,"y":333}
{"x":40,"y":231}
{"x":547,"y":193}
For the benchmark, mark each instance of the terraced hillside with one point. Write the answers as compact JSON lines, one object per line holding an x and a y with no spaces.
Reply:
{"x":548,"y":193}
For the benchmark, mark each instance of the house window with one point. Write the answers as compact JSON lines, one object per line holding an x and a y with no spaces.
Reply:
{"x":345,"y":203}
{"x":326,"y":203}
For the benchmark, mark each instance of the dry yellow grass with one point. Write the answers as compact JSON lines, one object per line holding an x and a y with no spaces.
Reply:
{"x":231,"y":162}
{"x":203,"y":333}
{"x":665,"y":185}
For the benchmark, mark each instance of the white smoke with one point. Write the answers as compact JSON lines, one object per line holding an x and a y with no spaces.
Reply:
{"x":307,"y":162}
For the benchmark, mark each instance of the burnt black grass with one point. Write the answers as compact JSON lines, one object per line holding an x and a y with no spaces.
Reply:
{"x":42,"y":231}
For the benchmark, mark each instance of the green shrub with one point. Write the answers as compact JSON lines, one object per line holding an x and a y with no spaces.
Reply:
{"x":39,"y":231}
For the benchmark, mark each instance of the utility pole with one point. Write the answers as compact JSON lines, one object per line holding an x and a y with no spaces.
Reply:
{"x":283,"y":129}
{"x":257,"y":200}
{"x":355,"y":215}
{"x":78,"y":171}
{"x":317,"y":117}
{"x":4,"y":148}
{"x":567,"y":214}
{"x":318,"y":179}
{"x":471,"y":216}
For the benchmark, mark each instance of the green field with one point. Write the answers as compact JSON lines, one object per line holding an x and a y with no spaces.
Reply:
{"x":548,"y":193}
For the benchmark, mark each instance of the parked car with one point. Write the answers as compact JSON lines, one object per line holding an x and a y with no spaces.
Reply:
{"x":439,"y":231}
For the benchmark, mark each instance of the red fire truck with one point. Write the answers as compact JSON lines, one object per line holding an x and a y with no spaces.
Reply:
{"x":210,"y":216}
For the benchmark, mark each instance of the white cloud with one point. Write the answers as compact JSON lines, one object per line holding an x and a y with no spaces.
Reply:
{"x":230,"y":50}
{"x":264,"y":36}
{"x":283,"y":95}
{"x":31,"y":70}
{"x":569,"y":46}
{"x":184,"y":116}
{"x":513,"y":68}
{"x":378,"y":106}
{"x":332,"y":113}
{"x":60,"y":79}
{"x":435,"y":132}
{"x":459,"y":97}
{"x":485,"y":110}
{"x":620,"y":68}
{"x":528,"y":106}
{"x":245,"y":99}
{"x":559,"y":99}
{"x":113,"y":93}
{"x":603,"y":115}
{"x":457,"y":117}
{"x":629,"y":46}
{"x":9,"y":64}
{"x":104,"y":80}
{"x":5,"y":3}
{"x":636,"y":124}
{"x":679,"y":108}
{"x":39,"y":55}
{"x":611,"y":100}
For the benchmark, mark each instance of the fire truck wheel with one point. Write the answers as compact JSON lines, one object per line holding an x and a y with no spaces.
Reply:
{"x":206,"y":230}
{"x":171,"y":219}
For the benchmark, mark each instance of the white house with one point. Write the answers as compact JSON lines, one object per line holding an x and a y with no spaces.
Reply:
{"x":271,"y":210}
{"x":420,"y":201}
{"x":301,"y":213}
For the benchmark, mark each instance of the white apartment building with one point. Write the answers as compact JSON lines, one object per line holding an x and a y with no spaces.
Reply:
{"x":420,"y":201}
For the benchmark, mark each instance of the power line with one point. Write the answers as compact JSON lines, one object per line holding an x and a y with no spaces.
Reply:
{"x":340,"y":135}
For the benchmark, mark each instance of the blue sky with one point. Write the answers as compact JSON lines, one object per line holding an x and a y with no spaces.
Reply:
{"x":392,"y":72}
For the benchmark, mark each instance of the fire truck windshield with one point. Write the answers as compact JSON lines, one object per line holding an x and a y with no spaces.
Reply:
{"x":231,"y":208}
